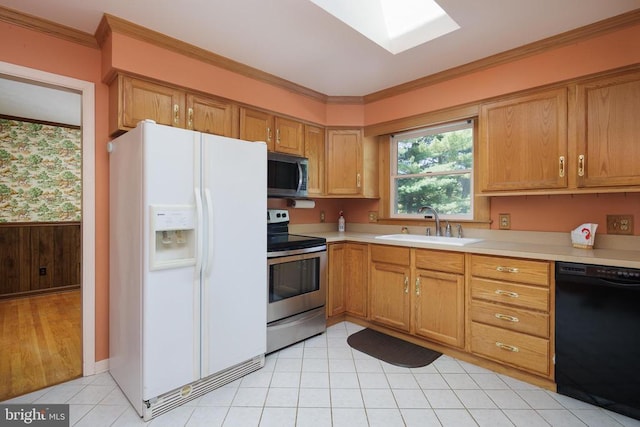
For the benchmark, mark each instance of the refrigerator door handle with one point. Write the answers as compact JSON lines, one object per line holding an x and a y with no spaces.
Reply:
{"x":200,"y":240}
{"x":209,"y":201}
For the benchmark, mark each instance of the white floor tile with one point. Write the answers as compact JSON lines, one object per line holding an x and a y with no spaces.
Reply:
{"x":445,"y":399}
{"x":219,"y":397}
{"x":60,"y":394}
{"x":431,"y":382}
{"x":476,"y":399}
{"x":539,"y":399}
{"x":403,"y":381}
{"x":91,"y":394}
{"x":76,"y":412}
{"x":260,"y":378}
{"x":282,"y":398}
{"x":288,"y":365}
{"x":314,"y":380}
{"x":314,"y":417}
{"x":343,"y":380}
{"x":250,"y":397}
{"x":242,"y":417}
{"x":489,"y":381}
{"x":460,"y":381}
{"x":341,"y":365}
{"x":207,"y":416}
{"x":314,"y":398}
{"x":448,"y":366}
{"x":373,"y":380}
{"x":378,"y":398}
{"x":507,"y":399}
{"x":368,"y":366}
{"x":490,"y":418}
{"x":317,"y":341}
{"x":420,"y":418}
{"x":278,"y":417}
{"x":101,"y":416}
{"x":315,"y":365}
{"x":624,"y":420}
{"x":455,"y":418}
{"x":346,"y":398}
{"x":315,"y":353}
{"x":525,"y":418}
{"x":413,"y":399}
{"x":349,"y":417}
{"x":286,"y":379}
{"x":384,"y":418}
{"x":293,"y":352}
{"x":339,"y":353}
{"x":176,"y":417}
{"x":560,"y":418}
{"x":595,"y":418}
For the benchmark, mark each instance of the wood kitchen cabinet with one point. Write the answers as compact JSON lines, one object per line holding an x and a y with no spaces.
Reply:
{"x":510,"y":315}
{"x":133,"y":100}
{"x":348,"y":274}
{"x":281,"y":134}
{"x":352,"y":164}
{"x":607,"y":129}
{"x":523,"y":142}
{"x":439,"y":296}
{"x":389,"y":285}
{"x":314,"y":146}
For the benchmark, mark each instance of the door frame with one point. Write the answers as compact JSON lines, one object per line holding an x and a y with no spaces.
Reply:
{"x":87,"y":90}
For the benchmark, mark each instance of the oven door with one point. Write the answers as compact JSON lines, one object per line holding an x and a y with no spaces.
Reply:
{"x":297,"y":281}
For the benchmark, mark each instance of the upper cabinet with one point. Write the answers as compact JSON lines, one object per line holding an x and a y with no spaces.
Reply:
{"x":577,"y":138}
{"x":608,"y":131}
{"x":352,"y":164}
{"x":133,"y":100}
{"x":314,"y":151}
{"x":281,"y":134}
{"x":523,"y":142}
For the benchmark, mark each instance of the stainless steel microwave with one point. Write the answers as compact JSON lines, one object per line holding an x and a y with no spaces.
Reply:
{"x":287,"y":175}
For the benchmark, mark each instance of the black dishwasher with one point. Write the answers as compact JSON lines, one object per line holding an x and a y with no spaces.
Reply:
{"x":598,"y":335}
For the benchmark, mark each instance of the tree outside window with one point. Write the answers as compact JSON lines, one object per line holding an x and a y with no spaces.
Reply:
{"x":433,"y":166}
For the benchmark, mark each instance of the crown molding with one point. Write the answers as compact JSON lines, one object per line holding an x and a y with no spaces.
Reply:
{"x":574,"y":36}
{"x":44,"y":26}
{"x":121,"y":26}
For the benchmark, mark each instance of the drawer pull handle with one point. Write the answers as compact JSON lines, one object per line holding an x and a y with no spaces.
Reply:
{"x":507,"y":318}
{"x":418,"y":287}
{"x":507,"y":347}
{"x":507,"y":293}
{"x":507,"y":269}
{"x":406,"y":284}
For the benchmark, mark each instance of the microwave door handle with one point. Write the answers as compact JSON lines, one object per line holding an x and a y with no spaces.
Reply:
{"x":299,"y":176}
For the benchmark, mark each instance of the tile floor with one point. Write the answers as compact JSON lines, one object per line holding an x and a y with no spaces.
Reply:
{"x":323,"y":382}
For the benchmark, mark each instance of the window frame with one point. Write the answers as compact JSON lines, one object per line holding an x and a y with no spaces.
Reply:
{"x":460,"y":124}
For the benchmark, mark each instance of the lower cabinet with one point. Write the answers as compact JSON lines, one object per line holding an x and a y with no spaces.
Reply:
{"x":439,"y":296}
{"x":389,"y":284}
{"x":348,"y":279}
{"x":510,"y":312}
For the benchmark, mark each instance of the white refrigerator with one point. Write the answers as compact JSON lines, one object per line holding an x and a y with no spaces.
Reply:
{"x":187,"y":287}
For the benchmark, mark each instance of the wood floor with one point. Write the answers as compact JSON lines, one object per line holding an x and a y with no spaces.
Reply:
{"x":40,"y":342}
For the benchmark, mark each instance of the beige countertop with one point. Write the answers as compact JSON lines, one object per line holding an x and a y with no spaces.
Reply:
{"x":608,"y":250}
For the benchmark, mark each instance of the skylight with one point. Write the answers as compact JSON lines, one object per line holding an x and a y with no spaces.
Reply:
{"x":396,"y":25}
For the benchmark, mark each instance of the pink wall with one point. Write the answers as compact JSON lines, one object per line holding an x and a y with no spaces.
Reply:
{"x":39,"y":51}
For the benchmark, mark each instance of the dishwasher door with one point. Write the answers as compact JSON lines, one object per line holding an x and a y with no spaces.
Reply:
{"x":598,"y":335}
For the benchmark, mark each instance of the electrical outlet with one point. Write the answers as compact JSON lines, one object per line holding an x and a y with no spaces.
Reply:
{"x":43,"y":271}
{"x":321,"y":216}
{"x":620,"y":224}
{"x":373,"y":216}
{"x":504,"y":221}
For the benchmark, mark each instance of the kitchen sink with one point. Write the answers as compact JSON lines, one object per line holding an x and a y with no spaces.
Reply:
{"x":439,"y":240}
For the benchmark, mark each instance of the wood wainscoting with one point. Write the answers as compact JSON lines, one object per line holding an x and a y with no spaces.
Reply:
{"x":41,"y":341}
{"x":39,"y":257}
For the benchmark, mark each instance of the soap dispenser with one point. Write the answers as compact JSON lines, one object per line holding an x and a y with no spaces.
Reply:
{"x":341,"y":223}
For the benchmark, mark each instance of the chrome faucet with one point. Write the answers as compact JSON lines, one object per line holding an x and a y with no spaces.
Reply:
{"x":435,"y":215}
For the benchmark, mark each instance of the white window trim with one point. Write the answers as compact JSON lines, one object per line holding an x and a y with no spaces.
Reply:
{"x":393,"y":167}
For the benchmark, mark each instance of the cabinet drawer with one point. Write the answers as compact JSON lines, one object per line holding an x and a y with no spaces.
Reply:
{"x":520,"y":350}
{"x":515,"y":319}
{"x":390,"y":254}
{"x":531,"y":297}
{"x":511,"y":269}
{"x":450,"y":262}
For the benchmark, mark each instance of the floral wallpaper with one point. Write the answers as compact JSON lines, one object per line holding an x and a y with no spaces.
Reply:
{"x":40,"y":172}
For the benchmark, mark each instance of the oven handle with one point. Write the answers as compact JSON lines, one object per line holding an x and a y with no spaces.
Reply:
{"x":313,"y":249}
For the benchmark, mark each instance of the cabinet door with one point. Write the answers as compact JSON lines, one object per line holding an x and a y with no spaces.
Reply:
{"x":289,"y":136}
{"x":439,"y":307}
{"x":390,"y":295}
{"x":145,"y":100}
{"x":314,"y":151}
{"x":336,"y":279}
{"x":356,"y":267}
{"x":608,"y":129}
{"x":523,"y":142}
{"x":344,"y":162}
{"x":209,"y":115}
{"x":256,"y":126}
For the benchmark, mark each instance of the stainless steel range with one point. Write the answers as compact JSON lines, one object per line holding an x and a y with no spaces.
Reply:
{"x":297,"y":277}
